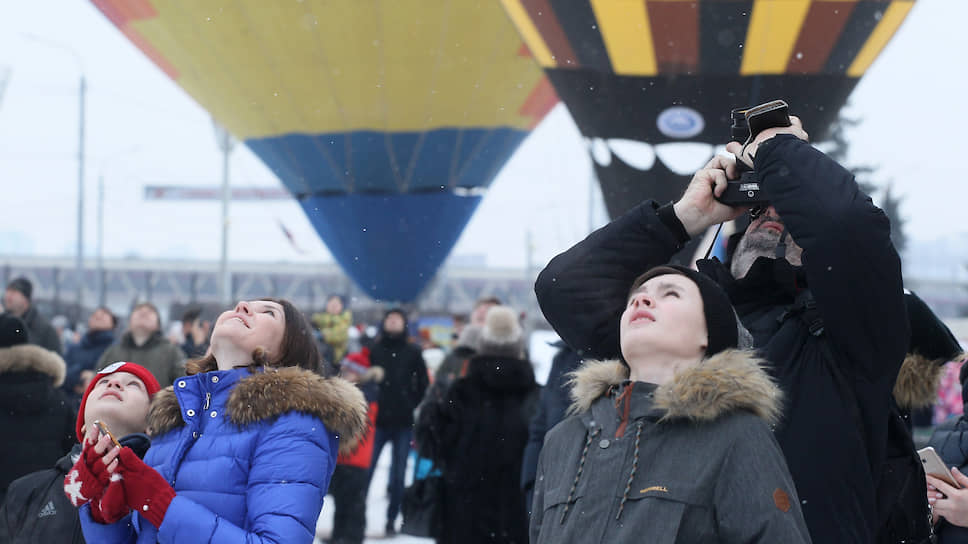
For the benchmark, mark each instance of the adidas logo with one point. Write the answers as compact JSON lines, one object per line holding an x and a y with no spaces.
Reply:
{"x":47,"y":510}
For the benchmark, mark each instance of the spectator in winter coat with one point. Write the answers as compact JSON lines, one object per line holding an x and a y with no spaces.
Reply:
{"x":680,"y":428}
{"x":242,"y":448}
{"x":814,"y":278}
{"x":82,"y":357}
{"x":935,"y":346}
{"x":143,"y":343}
{"x":196,"y":332}
{"x":481,"y":307}
{"x":36,"y":508}
{"x":949,"y":506}
{"x":334,"y":326}
{"x":476,"y":435}
{"x":35,"y":416}
{"x":551,"y":409}
{"x":404,"y":385}
{"x":931,"y":345}
{"x":348,"y":486}
{"x":455,"y":363}
{"x":17,"y":301}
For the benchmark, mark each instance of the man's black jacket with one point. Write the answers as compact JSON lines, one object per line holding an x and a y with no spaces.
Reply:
{"x":405,"y":381}
{"x":837,"y":383}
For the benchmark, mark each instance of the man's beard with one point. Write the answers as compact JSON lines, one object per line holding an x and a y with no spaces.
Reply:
{"x":753,"y":245}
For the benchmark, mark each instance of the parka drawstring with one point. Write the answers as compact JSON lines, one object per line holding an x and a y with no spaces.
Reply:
{"x":635,"y":465}
{"x":623,"y":403}
{"x":581,"y":466}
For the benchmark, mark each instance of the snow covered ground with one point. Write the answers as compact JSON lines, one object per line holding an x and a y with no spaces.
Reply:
{"x":376,"y":509}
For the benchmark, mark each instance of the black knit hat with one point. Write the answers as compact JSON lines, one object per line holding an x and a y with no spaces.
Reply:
{"x":930,"y":337}
{"x":13,"y":331}
{"x":721,"y":324}
{"x":23,"y":285}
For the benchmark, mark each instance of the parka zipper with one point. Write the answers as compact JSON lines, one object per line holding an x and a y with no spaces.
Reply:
{"x":208,"y":398}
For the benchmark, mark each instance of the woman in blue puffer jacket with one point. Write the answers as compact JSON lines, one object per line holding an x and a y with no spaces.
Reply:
{"x":243,"y":448}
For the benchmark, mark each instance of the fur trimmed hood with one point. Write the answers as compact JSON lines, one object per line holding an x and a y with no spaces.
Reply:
{"x":729,"y":381}
{"x":917,"y":381}
{"x":31,"y":358}
{"x":267,"y":395}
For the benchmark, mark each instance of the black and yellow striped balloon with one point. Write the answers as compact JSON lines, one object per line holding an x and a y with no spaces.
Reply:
{"x":655,"y":72}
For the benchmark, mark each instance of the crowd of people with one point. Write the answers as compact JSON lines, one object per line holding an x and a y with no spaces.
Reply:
{"x":763,"y":399}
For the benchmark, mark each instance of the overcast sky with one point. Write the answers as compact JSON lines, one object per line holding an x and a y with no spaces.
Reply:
{"x":143,"y":129}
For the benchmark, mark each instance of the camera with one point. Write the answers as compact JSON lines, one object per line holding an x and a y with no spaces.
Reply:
{"x":747,"y":123}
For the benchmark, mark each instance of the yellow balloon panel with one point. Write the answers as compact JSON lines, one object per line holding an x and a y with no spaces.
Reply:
{"x":265,"y":68}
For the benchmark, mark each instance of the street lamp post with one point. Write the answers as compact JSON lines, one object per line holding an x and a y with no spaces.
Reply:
{"x":225,"y":143}
{"x":79,"y":273}
{"x":82,"y":120}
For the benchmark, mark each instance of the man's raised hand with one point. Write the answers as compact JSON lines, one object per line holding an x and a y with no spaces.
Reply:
{"x":747,"y":153}
{"x":698,"y":208}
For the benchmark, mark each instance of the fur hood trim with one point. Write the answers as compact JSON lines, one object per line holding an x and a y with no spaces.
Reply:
{"x":917,"y":381}
{"x":729,"y":381}
{"x":267,"y":395}
{"x":31,"y":358}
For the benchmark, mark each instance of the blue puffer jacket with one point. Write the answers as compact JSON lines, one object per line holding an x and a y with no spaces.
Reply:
{"x":249,"y":456}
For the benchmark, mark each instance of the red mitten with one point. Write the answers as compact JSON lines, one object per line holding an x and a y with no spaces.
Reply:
{"x":87,"y":478}
{"x":145,"y":491}
{"x":111,"y":507}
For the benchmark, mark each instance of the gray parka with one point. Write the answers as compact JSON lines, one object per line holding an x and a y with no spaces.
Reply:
{"x":691,"y":461}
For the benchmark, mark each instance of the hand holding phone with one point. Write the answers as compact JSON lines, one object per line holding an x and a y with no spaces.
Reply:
{"x":105,"y":430}
{"x":934,"y":466}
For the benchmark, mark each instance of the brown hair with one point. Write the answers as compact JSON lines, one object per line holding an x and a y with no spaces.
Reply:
{"x":105,"y":309}
{"x":150,"y":306}
{"x":488,"y":300}
{"x":298,"y":346}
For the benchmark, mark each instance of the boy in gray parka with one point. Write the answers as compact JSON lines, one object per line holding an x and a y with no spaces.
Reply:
{"x":674,"y":444}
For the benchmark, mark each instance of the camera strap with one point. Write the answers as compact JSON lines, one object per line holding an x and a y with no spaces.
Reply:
{"x":713,"y":243}
{"x":781,"y":245}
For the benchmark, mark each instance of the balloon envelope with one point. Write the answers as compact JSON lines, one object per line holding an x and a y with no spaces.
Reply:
{"x":386,"y":119}
{"x":660,"y":72}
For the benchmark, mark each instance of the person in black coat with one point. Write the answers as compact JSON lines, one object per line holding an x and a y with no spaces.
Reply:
{"x":17,"y":300}
{"x":404,"y":385}
{"x":84,"y":355}
{"x":36,"y":508}
{"x":35,"y":416}
{"x":555,"y":400}
{"x":454,"y":365}
{"x":950,"y":438}
{"x":476,"y":435}
{"x":817,"y":281}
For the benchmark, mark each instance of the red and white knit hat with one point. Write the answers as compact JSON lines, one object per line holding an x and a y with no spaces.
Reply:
{"x":145,"y":375}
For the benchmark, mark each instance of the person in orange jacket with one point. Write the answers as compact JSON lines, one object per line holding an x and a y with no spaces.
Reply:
{"x":349,"y":483}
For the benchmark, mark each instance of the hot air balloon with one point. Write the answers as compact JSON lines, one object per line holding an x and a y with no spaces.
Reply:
{"x":386,"y":119}
{"x":651,"y":83}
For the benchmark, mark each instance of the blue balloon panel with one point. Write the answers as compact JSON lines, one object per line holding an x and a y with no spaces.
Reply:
{"x":385,"y":203}
{"x":368,"y":161}
{"x":392,"y":244}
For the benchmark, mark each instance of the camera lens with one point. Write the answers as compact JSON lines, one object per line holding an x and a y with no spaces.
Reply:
{"x":739,"y":131}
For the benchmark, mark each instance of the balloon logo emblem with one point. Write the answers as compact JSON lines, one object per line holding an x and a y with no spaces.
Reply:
{"x":680,"y":122}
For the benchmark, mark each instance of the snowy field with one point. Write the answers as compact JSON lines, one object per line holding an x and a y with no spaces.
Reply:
{"x":376,"y":509}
